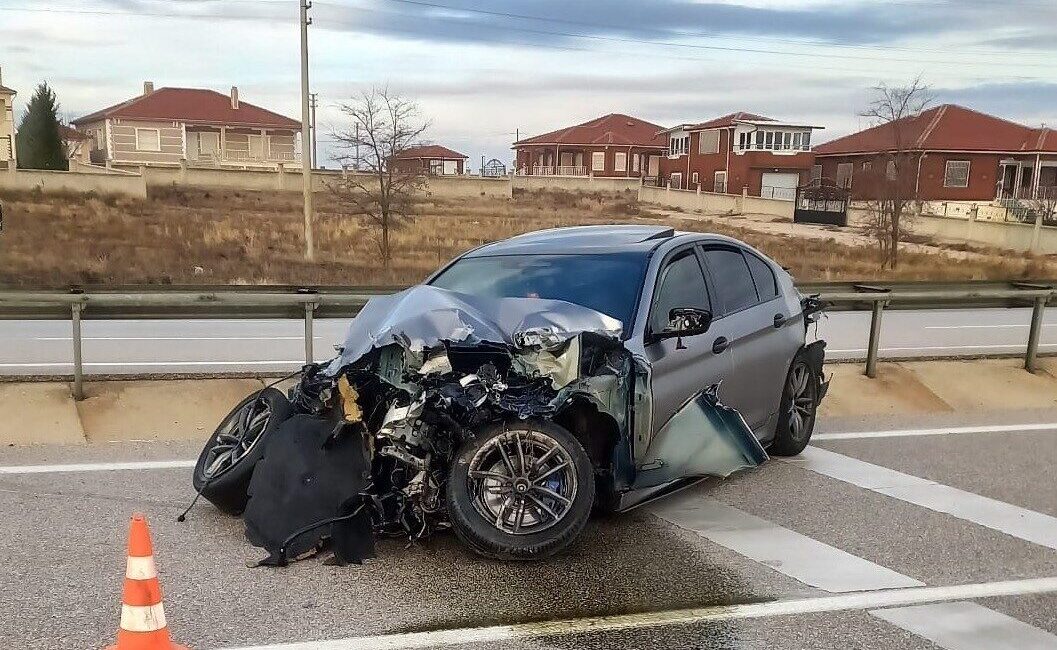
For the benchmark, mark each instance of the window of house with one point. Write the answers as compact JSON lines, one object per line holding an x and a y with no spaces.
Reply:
{"x":956,"y":174}
{"x":708,"y":142}
{"x":695,"y":179}
{"x":844,"y":172}
{"x":890,"y":170}
{"x":620,"y":161}
{"x":681,"y":284}
{"x":635,"y":162}
{"x":796,"y":140}
{"x":768,"y":139}
{"x":676,"y":181}
{"x":759,"y":139}
{"x":787,"y":140}
{"x":816,"y":175}
{"x":732,"y":279}
{"x":805,"y":141}
{"x":867,"y":166}
{"x":148,"y":140}
{"x":719,"y":183}
{"x":743,"y":140}
{"x":208,"y":142}
{"x":598,"y":161}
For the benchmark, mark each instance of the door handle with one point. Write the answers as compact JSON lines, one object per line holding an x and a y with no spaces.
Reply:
{"x":720,"y":344}
{"x":779,"y":320}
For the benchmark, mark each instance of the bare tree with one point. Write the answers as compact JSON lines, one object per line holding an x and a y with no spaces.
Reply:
{"x":381,"y":125}
{"x":1043,"y":206}
{"x":891,"y":183}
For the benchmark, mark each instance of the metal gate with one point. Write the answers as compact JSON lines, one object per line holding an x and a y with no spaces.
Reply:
{"x":823,"y":203}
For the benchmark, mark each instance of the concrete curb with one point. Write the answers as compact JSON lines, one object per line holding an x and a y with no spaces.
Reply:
{"x":189,"y":409}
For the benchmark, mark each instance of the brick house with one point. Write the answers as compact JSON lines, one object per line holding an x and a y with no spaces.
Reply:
{"x":614,"y":145}
{"x":957,"y":154}
{"x":7,"y":126}
{"x":432,"y":159}
{"x":204,"y":127}
{"x":764,"y":156}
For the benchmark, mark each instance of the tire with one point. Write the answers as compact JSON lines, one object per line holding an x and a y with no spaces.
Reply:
{"x":547,"y":524}
{"x":224,"y":484}
{"x":796,"y":415}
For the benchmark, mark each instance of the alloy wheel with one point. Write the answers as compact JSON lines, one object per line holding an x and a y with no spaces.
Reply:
{"x":236,"y":437}
{"x":801,"y":391}
{"x":522,"y":481}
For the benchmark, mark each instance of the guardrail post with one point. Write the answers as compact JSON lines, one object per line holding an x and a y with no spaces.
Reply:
{"x":310,"y":308}
{"x":78,"y":366}
{"x":875,"y":339}
{"x":1034,"y":332}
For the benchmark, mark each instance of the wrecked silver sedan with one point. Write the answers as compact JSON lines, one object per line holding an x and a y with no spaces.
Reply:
{"x":523,"y":385}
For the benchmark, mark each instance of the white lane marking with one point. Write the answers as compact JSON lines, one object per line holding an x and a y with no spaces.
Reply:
{"x":123,"y":364}
{"x":1012,"y":520}
{"x":1012,"y":346}
{"x":822,"y":604}
{"x":166,"y":338}
{"x":96,"y":467}
{"x":983,"y":327}
{"x":808,"y":560}
{"x":967,"y":626}
{"x":898,"y":433}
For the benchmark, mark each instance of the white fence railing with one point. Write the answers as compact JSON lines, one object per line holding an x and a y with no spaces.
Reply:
{"x":560,"y":170}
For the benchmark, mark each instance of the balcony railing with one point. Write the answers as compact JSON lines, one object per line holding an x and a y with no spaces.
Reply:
{"x":246,"y":157}
{"x":560,"y":170}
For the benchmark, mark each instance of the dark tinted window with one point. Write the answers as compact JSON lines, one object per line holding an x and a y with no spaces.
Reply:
{"x":732,"y":279}
{"x":763,"y":275}
{"x":607,"y":283}
{"x":680,"y":284}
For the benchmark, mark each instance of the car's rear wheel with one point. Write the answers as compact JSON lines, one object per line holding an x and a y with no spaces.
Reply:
{"x":796,"y":415}
{"x":226,"y":463}
{"x":521,"y":490}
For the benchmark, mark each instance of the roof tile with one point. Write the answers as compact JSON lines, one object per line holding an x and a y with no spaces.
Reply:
{"x":193,"y":106}
{"x":430,"y":151}
{"x":614,"y":128}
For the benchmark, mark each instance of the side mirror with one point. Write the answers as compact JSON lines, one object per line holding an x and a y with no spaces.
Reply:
{"x":685,"y":321}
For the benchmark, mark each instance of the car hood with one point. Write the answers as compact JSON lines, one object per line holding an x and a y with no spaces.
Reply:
{"x":423,"y":316}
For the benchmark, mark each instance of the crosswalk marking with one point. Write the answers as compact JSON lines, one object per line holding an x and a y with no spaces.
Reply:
{"x":967,"y":626}
{"x":808,"y":560}
{"x":1012,"y":520}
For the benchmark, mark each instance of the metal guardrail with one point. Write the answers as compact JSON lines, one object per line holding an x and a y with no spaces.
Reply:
{"x":330,"y":302}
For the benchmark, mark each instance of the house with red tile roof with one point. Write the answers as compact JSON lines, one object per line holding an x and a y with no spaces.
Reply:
{"x":205,"y":127}
{"x":76,"y":143}
{"x":614,"y":146}
{"x":959,"y":155}
{"x":739,"y":152}
{"x":7,"y":126}
{"x":431,"y":159}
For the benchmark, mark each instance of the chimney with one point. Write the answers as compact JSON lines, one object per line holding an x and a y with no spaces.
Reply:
{"x":235,"y":97}
{"x":148,"y":88}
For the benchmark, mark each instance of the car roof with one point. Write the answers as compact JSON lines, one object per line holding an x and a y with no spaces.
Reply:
{"x":583,"y":240}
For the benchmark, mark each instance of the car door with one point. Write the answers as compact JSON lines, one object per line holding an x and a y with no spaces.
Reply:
{"x":757,"y":327}
{"x":680,"y":367}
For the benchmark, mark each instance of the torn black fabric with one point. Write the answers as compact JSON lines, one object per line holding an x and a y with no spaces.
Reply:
{"x":310,"y":473}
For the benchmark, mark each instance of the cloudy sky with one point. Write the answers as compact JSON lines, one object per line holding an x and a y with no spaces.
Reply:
{"x":482,"y":71}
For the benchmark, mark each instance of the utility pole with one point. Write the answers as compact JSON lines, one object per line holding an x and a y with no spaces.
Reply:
{"x":315,"y":154}
{"x":306,"y":158}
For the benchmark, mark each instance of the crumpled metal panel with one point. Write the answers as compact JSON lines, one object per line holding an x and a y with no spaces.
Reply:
{"x":422,"y":317}
{"x":704,"y":438}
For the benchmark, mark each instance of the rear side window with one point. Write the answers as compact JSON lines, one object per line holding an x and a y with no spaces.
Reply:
{"x":680,"y":284}
{"x":732,"y":279}
{"x":763,"y":275}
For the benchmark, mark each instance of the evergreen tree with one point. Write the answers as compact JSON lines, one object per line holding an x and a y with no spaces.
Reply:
{"x":38,"y":140}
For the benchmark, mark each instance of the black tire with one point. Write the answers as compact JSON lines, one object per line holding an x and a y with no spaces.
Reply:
{"x":796,"y":415}
{"x":467,"y":497}
{"x":225,"y":486}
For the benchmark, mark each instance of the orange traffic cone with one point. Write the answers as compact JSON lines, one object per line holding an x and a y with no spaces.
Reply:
{"x":142,"y":615}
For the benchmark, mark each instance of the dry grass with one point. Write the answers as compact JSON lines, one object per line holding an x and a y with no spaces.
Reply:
{"x":193,"y":236}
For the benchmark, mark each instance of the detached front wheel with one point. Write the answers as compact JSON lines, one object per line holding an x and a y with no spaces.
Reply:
{"x":226,"y":464}
{"x":520,"y":491}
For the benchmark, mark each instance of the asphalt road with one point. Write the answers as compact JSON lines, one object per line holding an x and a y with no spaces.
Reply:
{"x":267,"y":346}
{"x":924,"y":541}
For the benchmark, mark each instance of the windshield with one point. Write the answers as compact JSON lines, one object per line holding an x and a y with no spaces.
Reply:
{"x":607,"y":283}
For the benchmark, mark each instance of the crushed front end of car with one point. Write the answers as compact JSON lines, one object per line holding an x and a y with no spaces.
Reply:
{"x":445,"y":410}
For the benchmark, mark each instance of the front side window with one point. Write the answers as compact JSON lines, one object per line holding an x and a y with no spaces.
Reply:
{"x":720,"y":183}
{"x":844,"y":171}
{"x":816,"y":175}
{"x":956,"y":174}
{"x":620,"y":161}
{"x":680,"y":284}
{"x":732,"y":279}
{"x":598,"y":161}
